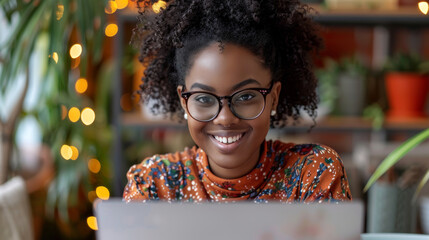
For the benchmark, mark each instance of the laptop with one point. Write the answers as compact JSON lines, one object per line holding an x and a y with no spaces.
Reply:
{"x":244,"y":220}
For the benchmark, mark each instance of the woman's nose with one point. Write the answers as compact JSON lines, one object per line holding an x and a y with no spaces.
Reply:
{"x":225,"y":116}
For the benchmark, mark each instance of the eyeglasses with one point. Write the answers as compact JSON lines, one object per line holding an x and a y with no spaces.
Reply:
{"x":245,"y":104}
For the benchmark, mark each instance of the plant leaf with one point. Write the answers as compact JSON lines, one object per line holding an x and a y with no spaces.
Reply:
{"x":421,"y":184}
{"x":396,"y":155}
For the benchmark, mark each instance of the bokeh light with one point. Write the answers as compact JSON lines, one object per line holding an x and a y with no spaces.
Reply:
{"x":111,"y":7}
{"x":424,"y":7}
{"x":92,"y":196}
{"x":159,"y":6}
{"x":111,"y":30}
{"x":81,"y":85}
{"x":121,"y":4}
{"x":60,"y":11}
{"x":66,"y":152}
{"x":75,"y":153}
{"x":54,"y":56}
{"x":63,"y":112}
{"x":74,"y":114}
{"x":92,"y":223}
{"x":75,"y":50}
{"x":94,"y":165}
{"x":88,"y":116}
{"x":102,"y":192}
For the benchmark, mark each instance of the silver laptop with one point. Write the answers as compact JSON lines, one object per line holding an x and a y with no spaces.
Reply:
{"x":249,"y":221}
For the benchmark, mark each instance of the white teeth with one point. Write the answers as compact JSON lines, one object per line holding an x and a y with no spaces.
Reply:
{"x":229,"y":139}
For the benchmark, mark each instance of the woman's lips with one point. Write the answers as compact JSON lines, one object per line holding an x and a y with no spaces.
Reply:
{"x":227,"y":144}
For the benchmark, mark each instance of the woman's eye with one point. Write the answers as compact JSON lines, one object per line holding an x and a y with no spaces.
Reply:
{"x":245,"y":97}
{"x":204,"y":99}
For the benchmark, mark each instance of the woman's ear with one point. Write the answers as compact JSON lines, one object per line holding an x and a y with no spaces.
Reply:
{"x":276,"y":94}
{"x":182,"y":100}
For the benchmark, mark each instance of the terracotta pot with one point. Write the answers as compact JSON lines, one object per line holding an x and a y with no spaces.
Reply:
{"x":407,"y":94}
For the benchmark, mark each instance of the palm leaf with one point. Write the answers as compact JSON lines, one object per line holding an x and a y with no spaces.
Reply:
{"x":396,"y":155}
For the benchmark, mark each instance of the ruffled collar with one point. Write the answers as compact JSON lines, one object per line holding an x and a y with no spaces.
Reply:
{"x":245,"y":187}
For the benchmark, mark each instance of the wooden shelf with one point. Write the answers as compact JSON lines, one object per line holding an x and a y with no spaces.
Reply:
{"x":402,"y":16}
{"x":330,"y":123}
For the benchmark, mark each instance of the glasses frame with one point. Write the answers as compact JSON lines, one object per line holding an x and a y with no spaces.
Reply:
{"x":263,"y":91}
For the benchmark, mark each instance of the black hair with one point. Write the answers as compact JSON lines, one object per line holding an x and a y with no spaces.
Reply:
{"x":280,"y":32}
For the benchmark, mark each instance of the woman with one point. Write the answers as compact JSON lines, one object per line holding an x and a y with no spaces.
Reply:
{"x":233,"y":68}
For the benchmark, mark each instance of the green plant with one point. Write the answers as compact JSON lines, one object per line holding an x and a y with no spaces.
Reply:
{"x":397,"y":155}
{"x":406,"y":62}
{"x":45,"y":30}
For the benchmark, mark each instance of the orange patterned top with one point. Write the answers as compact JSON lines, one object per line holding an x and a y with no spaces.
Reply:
{"x":285,"y":172}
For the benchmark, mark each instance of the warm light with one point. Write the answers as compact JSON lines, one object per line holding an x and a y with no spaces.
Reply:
{"x":122,"y":3}
{"x":159,"y":6}
{"x":81,"y":85}
{"x":102,"y":192}
{"x":88,"y":116}
{"x":424,"y":7}
{"x":75,"y":63}
{"x":63,"y":112}
{"x":111,"y":7}
{"x":66,"y":152}
{"x":60,"y":11}
{"x":74,"y":114}
{"x":92,"y":222}
{"x":75,"y":51}
{"x":75,"y":153}
{"x":94,"y":165}
{"x":54,"y":56}
{"x":92,"y":196}
{"x":111,"y":30}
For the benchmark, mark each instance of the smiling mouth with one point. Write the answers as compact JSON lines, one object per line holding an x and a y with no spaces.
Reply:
{"x":228,"y":140}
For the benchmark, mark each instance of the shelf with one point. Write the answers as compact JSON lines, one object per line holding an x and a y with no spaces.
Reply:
{"x":402,"y":16}
{"x":330,"y":123}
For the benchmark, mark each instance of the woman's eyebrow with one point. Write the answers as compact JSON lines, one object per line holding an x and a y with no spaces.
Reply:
{"x":244,"y":83}
{"x":235,"y":87}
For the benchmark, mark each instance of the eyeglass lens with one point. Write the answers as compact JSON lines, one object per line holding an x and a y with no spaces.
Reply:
{"x":246,"y":104}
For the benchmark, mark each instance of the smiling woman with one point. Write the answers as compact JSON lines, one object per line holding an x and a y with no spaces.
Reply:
{"x":233,"y":69}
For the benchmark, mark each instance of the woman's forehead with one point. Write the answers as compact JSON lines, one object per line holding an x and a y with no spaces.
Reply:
{"x":226,"y":68}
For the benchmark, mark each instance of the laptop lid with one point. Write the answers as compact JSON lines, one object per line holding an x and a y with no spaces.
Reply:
{"x":243,"y":220}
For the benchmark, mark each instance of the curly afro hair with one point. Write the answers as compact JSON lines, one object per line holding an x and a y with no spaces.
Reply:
{"x":280,"y":32}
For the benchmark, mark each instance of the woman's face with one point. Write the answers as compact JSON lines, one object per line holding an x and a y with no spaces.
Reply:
{"x":224,"y":73}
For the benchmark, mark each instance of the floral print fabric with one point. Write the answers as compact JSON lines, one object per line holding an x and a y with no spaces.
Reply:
{"x":286,"y":172}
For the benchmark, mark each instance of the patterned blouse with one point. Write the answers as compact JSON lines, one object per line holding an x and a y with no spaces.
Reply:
{"x":285,"y":172}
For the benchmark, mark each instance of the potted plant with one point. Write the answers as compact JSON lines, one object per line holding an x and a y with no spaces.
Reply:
{"x":407,"y":86}
{"x":342,"y":86}
{"x":392,"y":207}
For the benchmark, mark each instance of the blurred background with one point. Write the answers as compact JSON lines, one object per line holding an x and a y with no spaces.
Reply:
{"x":72,"y":125}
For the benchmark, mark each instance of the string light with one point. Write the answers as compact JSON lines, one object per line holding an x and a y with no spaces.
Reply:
{"x":94,"y":165}
{"x":66,"y":152}
{"x":63,"y":112}
{"x":159,"y":6}
{"x":81,"y":85}
{"x":60,"y":11}
{"x":92,"y":196}
{"x":75,"y":153}
{"x":74,"y":114}
{"x":111,"y":7}
{"x":75,"y":50}
{"x":88,"y":116}
{"x":111,"y":30}
{"x":102,"y":192}
{"x":92,"y":223}
{"x":54,"y":56}
{"x":424,"y":7}
{"x":122,"y":4}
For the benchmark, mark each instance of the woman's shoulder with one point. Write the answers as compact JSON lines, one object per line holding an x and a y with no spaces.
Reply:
{"x":162,"y":161}
{"x":304,"y":151}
